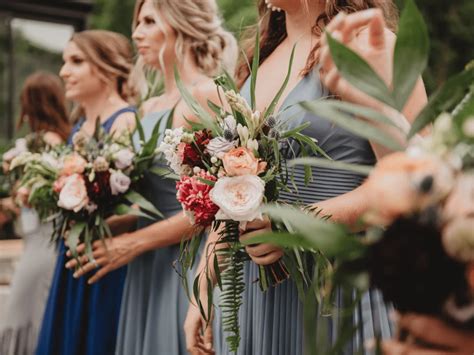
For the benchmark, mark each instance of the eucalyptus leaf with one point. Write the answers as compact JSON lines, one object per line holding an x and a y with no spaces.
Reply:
{"x":358,"y":73}
{"x":411,"y":53}
{"x":142,"y":202}
{"x":74,"y":237}
{"x":444,"y":99}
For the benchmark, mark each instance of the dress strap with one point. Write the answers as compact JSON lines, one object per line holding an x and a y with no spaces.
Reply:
{"x":108,"y":123}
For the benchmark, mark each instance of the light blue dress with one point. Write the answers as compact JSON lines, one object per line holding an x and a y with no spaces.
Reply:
{"x":272,"y":322}
{"x":154,"y":303}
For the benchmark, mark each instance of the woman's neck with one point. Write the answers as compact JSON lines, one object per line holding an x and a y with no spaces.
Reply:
{"x":102,"y":105}
{"x":301,"y":19}
{"x":189,"y":73}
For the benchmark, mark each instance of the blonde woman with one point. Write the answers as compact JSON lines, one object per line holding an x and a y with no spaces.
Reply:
{"x":79,"y":319}
{"x":188,"y":35}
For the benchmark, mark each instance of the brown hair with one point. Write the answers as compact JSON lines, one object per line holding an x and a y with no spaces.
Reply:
{"x":273,"y":29}
{"x":43,"y":104}
{"x":111,"y":53}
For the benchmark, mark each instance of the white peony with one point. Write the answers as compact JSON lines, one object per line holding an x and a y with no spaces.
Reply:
{"x":219,"y":145}
{"x":123,"y":158}
{"x":73,"y":195}
{"x":239,"y":198}
{"x":119,"y":182}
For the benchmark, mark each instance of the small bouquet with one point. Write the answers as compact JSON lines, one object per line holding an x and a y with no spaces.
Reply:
{"x":79,"y":187}
{"x":228,"y":165}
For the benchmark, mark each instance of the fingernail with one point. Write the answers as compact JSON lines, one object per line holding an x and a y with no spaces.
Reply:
{"x":67,"y":265}
{"x":75,"y":275}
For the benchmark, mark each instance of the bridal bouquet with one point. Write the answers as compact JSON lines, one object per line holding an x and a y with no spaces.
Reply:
{"x":229,"y":164}
{"x":80,"y":186}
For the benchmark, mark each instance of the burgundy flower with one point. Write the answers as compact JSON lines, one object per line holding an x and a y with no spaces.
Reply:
{"x":194,"y":197}
{"x":193,"y":152}
{"x":98,"y":189}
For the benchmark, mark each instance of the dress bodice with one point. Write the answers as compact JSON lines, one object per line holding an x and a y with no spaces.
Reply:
{"x":160,"y":191}
{"x":337,"y":142}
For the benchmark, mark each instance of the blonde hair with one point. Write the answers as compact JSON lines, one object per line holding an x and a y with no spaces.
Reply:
{"x":197,"y":26}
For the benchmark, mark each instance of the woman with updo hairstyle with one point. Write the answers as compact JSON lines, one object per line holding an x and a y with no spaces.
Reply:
{"x":186,"y":35}
{"x":81,"y":319}
{"x":42,"y":108}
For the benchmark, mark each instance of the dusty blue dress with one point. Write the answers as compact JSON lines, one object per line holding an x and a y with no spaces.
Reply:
{"x":154,"y":302}
{"x":81,"y":319}
{"x":272,"y":322}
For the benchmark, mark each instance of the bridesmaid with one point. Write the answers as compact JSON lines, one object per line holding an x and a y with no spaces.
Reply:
{"x":188,"y":35}
{"x":272,"y":322}
{"x":43,"y":108}
{"x":81,"y":319}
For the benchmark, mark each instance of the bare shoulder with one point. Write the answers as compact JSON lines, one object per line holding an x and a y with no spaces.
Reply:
{"x":126,"y":121}
{"x":52,"y":138}
{"x":204,"y":91}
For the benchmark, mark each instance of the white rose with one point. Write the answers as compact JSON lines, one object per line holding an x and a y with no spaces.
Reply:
{"x":219,"y":145}
{"x":73,"y":195}
{"x":119,"y":182}
{"x":239,"y":197}
{"x":123,"y":158}
{"x":51,"y":161}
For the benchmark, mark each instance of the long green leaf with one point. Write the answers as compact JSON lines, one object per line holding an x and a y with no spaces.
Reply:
{"x":205,"y":118}
{"x":444,"y":99}
{"x":254,"y":72}
{"x":358,"y":73}
{"x":275,"y":100}
{"x":128,"y":210}
{"x":74,"y":237}
{"x":348,"y":122}
{"x":332,"y":164}
{"x":142,"y":202}
{"x":411,"y":53}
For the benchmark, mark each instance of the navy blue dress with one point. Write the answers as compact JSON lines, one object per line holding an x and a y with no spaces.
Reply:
{"x":82,"y":319}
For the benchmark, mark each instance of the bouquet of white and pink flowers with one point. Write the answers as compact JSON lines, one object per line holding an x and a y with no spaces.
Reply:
{"x":80,"y":186}
{"x":228,"y":165}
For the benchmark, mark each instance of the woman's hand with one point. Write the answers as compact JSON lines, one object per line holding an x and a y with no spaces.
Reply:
{"x":108,"y":255}
{"x":261,"y":254}
{"x":121,"y":224}
{"x":198,"y":332}
{"x":366,"y":34}
{"x":433,"y":331}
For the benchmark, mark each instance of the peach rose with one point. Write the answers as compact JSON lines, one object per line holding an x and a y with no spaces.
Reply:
{"x":401,"y":184}
{"x":241,"y":161}
{"x":73,"y":164}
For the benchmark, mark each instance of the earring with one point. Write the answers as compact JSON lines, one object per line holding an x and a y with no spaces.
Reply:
{"x":271,"y":7}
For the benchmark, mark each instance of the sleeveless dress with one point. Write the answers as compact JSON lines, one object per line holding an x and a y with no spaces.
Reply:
{"x":271,"y":322}
{"x":81,"y":319}
{"x":19,"y":326}
{"x":155,"y":303}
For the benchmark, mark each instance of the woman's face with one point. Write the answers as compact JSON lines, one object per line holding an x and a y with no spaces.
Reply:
{"x":153,"y":36}
{"x":80,"y":77}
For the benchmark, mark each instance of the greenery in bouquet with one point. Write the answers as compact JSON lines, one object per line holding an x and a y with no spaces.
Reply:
{"x":229,"y":163}
{"x":79,"y":186}
{"x":418,"y":249}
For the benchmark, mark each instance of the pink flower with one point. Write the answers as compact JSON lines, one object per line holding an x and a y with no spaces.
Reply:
{"x":194,"y":197}
{"x":59,"y":184}
{"x":73,"y":164}
{"x":73,"y":195}
{"x":241,"y":161}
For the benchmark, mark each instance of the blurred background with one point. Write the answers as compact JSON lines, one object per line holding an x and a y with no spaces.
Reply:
{"x":34,"y":32}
